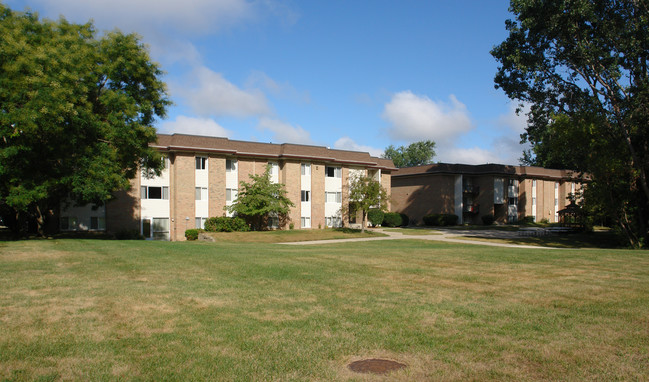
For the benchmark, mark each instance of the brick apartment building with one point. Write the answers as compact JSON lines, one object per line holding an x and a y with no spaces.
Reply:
{"x":509,"y":193}
{"x":202,"y":176}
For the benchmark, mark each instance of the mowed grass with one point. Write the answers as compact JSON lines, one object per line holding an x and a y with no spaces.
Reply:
{"x":120,"y":310}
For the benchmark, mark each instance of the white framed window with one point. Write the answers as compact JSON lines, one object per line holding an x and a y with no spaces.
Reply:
{"x":201,"y":163}
{"x":273,"y":221}
{"x":333,"y":172}
{"x":200,"y":222}
{"x":333,"y":221}
{"x":230,"y":194}
{"x":305,"y":169}
{"x":305,"y":195}
{"x":305,"y":222}
{"x":230,"y":165}
{"x":201,"y":193}
{"x":160,"y":228}
{"x":333,"y":197}
{"x":151,"y":192}
{"x":97,"y":223}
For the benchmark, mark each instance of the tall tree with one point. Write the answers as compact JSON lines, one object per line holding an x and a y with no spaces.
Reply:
{"x":260,"y":199}
{"x":76,"y":113}
{"x":583,"y":67}
{"x":365,"y":193}
{"x":415,"y":154}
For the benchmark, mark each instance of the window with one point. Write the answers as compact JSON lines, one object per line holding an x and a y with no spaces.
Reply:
{"x":201,"y":163}
{"x":274,"y":168}
{"x":333,"y":172}
{"x":200,"y":223}
{"x":305,"y":222}
{"x":305,"y":195}
{"x":305,"y":169}
{"x":148,"y":192}
{"x":333,"y":197}
{"x":534,"y":200}
{"x":273,"y":221}
{"x":97,"y":223}
{"x":333,"y":221}
{"x":201,"y":193}
{"x":230,"y":194}
{"x":230,"y":165}
{"x":534,"y":183}
{"x":160,"y":228}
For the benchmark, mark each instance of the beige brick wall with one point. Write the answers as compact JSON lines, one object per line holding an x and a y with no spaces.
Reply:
{"x":386,"y":183}
{"x":216,"y":190}
{"x":420,"y":196}
{"x":317,"y":195}
{"x":290,"y":175}
{"x":123,"y":212}
{"x":182,"y":194}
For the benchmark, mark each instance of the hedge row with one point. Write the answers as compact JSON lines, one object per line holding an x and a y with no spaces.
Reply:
{"x":440,"y":219}
{"x":226,"y":224}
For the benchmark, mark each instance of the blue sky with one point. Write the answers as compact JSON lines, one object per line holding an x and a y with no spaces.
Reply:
{"x":357,"y":75}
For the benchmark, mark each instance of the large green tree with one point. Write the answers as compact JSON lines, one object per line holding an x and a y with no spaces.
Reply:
{"x":365,"y":193}
{"x":583,"y":66}
{"x":415,"y":154}
{"x":260,"y":199}
{"x":76,"y":113}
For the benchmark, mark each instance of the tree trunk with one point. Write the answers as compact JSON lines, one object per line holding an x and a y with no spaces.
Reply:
{"x":363,"y":222}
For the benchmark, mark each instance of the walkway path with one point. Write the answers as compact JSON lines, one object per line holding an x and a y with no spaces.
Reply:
{"x":452,"y":236}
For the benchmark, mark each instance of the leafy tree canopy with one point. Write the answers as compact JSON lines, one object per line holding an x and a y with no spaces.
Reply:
{"x":261,"y":199}
{"x":582,"y":65}
{"x":365,"y":192}
{"x":415,"y":154}
{"x":76,"y":112}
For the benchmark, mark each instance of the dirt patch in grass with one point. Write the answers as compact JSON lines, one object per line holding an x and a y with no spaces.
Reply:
{"x":375,"y":366}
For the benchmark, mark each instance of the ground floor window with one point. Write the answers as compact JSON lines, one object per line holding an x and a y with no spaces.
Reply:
{"x":155,"y":228}
{"x":333,"y":221}
{"x":273,"y":221}
{"x":97,"y":223}
{"x":305,"y":222}
{"x":200,"y":223}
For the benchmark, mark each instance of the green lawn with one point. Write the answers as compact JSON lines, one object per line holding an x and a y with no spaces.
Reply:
{"x":135,"y":310}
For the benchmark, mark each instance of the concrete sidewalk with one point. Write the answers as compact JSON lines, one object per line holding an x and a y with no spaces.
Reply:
{"x":446,"y":236}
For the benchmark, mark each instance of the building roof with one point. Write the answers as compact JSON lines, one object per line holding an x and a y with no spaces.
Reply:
{"x":204,"y":144}
{"x":486,"y":169}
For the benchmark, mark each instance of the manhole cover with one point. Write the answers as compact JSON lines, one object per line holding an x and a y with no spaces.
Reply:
{"x":375,"y":366}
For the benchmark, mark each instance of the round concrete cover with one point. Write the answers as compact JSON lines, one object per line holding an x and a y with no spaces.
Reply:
{"x":375,"y":366}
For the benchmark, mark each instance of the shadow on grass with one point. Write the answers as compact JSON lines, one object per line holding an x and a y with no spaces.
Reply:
{"x":603,"y":240}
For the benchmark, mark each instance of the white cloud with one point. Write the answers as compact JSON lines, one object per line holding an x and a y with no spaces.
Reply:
{"x":346,"y":143}
{"x":475,"y":155}
{"x":172,"y":17}
{"x":194,"y":126}
{"x":515,"y":122}
{"x":209,"y":94}
{"x":414,"y":118}
{"x":258,"y":79}
{"x":284,"y":132}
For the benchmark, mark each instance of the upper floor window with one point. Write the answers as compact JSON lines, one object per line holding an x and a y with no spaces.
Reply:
{"x":230,"y":165}
{"x":201,"y":163}
{"x":305,"y":169}
{"x":333,"y":197}
{"x":334,"y":172}
{"x":305,"y":195}
{"x":149,"y":192}
{"x":201,"y":193}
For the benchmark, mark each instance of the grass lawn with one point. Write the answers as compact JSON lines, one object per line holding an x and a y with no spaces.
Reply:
{"x":136,"y":310}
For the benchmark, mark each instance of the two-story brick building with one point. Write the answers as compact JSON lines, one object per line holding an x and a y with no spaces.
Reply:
{"x":202,"y":176}
{"x":509,"y":193}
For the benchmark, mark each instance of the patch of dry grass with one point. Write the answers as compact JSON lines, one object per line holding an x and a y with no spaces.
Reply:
{"x":284,"y":236}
